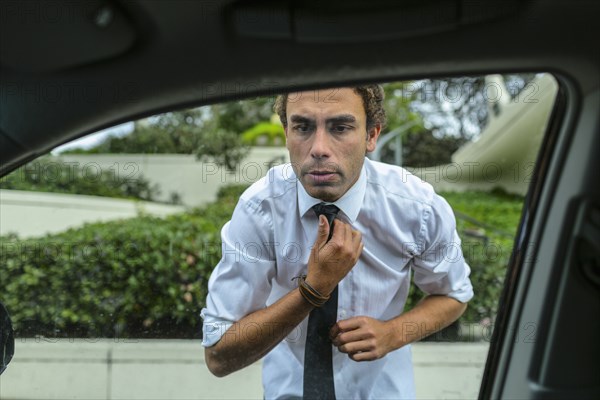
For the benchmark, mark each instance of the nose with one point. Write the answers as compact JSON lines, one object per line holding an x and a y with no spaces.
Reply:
{"x":321,"y":146}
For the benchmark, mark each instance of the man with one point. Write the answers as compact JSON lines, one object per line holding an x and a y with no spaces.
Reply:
{"x":279,"y":265}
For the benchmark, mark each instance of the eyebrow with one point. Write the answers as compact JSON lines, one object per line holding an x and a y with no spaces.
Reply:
{"x":342,"y":119}
{"x":338,"y":119}
{"x":300,"y":119}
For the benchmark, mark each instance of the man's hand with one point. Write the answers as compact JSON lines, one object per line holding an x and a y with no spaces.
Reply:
{"x":363,"y":338}
{"x":366,"y":339}
{"x":330,"y":261}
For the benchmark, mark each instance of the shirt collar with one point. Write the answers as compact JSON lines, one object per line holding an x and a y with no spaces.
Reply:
{"x":350,"y":203}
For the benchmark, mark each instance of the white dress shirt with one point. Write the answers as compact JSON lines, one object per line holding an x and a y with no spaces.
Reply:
{"x":405,"y":226}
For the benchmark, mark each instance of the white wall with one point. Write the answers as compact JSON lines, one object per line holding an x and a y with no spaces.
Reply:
{"x":196,"y":182}
{"x":31,"y":214}
{"x":505,"y":153}
{"x":175,"y":369}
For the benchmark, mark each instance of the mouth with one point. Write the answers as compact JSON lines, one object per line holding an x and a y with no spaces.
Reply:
{"x":321,"y":176}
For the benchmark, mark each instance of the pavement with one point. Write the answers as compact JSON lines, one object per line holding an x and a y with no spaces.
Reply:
{"x":175,"y":369}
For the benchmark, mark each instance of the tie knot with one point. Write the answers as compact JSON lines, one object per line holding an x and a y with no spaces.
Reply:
{"x":329,"y":210}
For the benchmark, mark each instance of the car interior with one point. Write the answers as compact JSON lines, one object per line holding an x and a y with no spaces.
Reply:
{"x":69,"y":69}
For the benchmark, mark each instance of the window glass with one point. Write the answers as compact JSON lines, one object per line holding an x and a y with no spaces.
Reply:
{"x":109,"y":241}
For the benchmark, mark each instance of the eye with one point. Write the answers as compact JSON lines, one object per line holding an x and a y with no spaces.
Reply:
{"x":340,"y":128}
{"x":302,"y":128}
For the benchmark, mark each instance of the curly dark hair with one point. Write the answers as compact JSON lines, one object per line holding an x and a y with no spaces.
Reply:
{"x":372,"y":97}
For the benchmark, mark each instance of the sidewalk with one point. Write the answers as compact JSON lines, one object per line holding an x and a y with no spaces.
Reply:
{"x":175,"y":369}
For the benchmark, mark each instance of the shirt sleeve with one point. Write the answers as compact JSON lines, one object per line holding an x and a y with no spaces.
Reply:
{"x":240,"y":283}
{"x":441,"y":269}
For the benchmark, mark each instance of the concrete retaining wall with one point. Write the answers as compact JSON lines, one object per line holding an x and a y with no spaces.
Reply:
{"x":194,"y":181}
{"x":31,"y":214}
{"x":175,"y":369}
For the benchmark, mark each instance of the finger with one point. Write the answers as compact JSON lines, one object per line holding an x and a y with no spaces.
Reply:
{"x":350,"y":324}
{"x":348,"y":233}
{"x":363,"y":356}
{"x":339,"y":231}
{"x":361,"y":352}
{"x":334,"y":331}
{"x":323,"y":232}
{"x":357,"y":242}
{"x":344,"y":338}
{"x":356,"y":347}
{"x":356,"y":237}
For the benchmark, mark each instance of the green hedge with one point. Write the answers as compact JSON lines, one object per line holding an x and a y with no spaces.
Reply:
{"x":143,"y":277}
{"x":486,"y":223}
{"x":52,"y":174}
{"x":487,"y":248}
{"x":146,"y":277}
{"x":273,"y":134}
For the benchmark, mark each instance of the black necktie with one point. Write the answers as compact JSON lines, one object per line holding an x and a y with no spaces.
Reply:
{"x":318,"y":364}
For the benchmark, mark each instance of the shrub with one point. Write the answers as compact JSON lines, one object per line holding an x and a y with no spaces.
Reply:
{"x":265,"y":134}
{"x":487,"y":246}
{"x":142,"y":277}
{"x":231,"y":193}
{"x":51,"y":174}
{"x":146,"y":277}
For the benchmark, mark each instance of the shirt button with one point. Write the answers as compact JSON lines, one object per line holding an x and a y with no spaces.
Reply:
{"x":343,"y":314}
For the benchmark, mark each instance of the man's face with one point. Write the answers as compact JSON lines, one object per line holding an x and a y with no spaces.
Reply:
{"x":327,"y":139}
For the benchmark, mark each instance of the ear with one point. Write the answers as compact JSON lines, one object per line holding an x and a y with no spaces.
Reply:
{"x":372,"y":136}
{"x":285,"y":130}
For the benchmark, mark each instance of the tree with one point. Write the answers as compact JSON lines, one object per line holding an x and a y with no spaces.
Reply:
{"x":423,"y":149}
{"x":441,"y":113}
{"x":265,"y":134}
{"x":419,"y":147}
{"x":173,"y":132}
{"x":221,"y":138}
{"x":212,"y":133}
{"x":458,"y":106}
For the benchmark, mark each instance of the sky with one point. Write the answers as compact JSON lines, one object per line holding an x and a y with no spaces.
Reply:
{"x":95,"y":138}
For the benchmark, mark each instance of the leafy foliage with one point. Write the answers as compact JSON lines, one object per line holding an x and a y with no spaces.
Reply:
{"x":143,"y":277}
{"x":264,"y":133}
{"x":147,"y":277}
{"x":51,"y":174}
{"x":420,"y":147}
{"x":437,"y":112}
{"x":213,"y":133}
{"x":423,"y":149}
{"x":459,"y":106}
{"x":440,"y":115}
{"x":398,"y":99}
{"x":239,"y":116}
{"x":231,"y":193}
{"x":486,"y":245}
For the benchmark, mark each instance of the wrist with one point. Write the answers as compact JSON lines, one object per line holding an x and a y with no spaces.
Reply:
{"x":310,"y":294}
{"x":320,"y":285}
{"x":403,"y":332}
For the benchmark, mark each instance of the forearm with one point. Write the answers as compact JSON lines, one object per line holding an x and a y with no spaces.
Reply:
{"x":252,"y":337}
{"x":256,"y":334}
{"x":432,"y":314}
